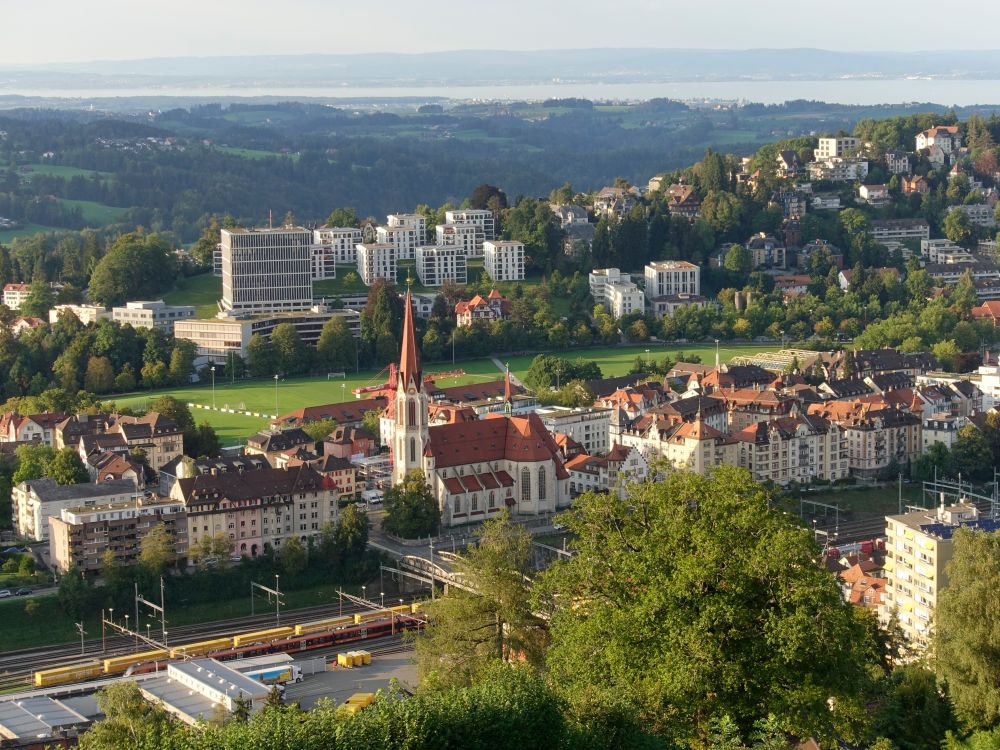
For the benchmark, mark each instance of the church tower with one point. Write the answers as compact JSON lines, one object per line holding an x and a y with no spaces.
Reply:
{"x":412,"y":404}
{"x":508,"y":398}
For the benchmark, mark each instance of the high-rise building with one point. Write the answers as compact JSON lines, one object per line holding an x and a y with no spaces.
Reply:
{"x":504,"y":260}
{"x":266,"y":270}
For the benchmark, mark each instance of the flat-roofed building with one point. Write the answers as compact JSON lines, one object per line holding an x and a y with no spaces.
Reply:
{"x":377,"y":260}
{"x":480,"y":218}
{"x":152,"y":314}
{"x":436,"y":265}
{"x":624,"y":298}
{"x":80,"y":537}
{"x":35,"y":500}
{"x":405,"y":232}
{"x":198,"y":690}
{"x":503,"y":260}
{"x":669,"y":277}
{"x":462,"y":236}
{"x":599,"y":279}
{"x":86,"y":314}
{"x":340,"y":242}
{"x":589,"y":426}
{"x":266,"y":270}
{"x":837,"y":146}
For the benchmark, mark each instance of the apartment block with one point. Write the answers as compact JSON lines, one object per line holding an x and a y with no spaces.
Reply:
{"x":837,"y":169}
{"x":481,"y":219}
{"x":86,"y":314}
{"x":918,"y":547}
{"x":900,"y":229}
{"x":266,"y":270}
{"x":405,"y":232}
{"x":79,"y":537}
{"x":36,"y":499}
{"x":839,"y":146}
{"x":599,"y":279}
{"x":504,"y":260}
{"x":377,"y":261}
{"x":669,"y":277}
{"x":340,"y":242}
{"x":624,"y":298}
{"x":793,"y":449}
{"x":152,"y":314}
{"x":436,"y":265}
{"x":590,"y":427}
{"x":462,"y":236}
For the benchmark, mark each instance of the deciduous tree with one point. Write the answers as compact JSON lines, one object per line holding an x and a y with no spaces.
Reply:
{"x":411,"y":509}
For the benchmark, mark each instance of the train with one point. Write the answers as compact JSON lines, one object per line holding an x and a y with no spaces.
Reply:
{"x":289,"y":639}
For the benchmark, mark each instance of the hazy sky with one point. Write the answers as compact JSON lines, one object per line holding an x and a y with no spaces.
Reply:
{"x":39,"y":31}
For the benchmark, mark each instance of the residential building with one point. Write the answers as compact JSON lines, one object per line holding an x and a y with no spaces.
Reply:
{"x":494,"y":307}
{"x":946,"y":137}
{"x":589,"y":426}
{"x":794,"y":205}
{"x":900,"y":229}
{"x":831,"y":253}
{"x":950,"y":273}
{"x":789,"y":164}
{"x":158,"y":437}
{"x":473,"y":468}
{"x":270,"y":443}
{"x":460,"y":236}
{"x":746,"y":407}
{"x":480,"y":218}
{"x":624,"y":298}
{"x":683,"y":201}
{"x":21,"y":324}
{"x":667,"y":277}
{"x":35,"y":500}
{"x":836,"y":146}
{"x":613,"y":472}
{"x":898,"y":162}
{"x":878,"y":436}
{"x":793,"y":449}
{"x":980,"y":214}
{"x":152,"y":314}
{"x":38,"y":428}
{"x":598,"y":280}
{"x":944,"y":251}
{"x":836,"y":169}
{"x":671,"y":303}
{"x":340,"y":243}
{"x":79,"y":538}
{"x":875,"y":195}
{"x":988,"y":311}
{"x":915,"y":184}
{"x":436,"y":265}
{"x":257,"y":509}
{"x":615,"y":201}
{"x":86,"y":314}
{"x":941,"y":427}
{"x":376,"y":261}
{"x":765,"y":251}
{"x":266,"y":270}
{"x":861,"y":588}
{"x":691,"y":445}
{"x":503,"y":260}
{"x":919,"y":545}
{"x":825,"y":202}
{"x":569,"y":214}
{"x":404,"y":232}
{"x":15,"y":295}
{"x":344,"y":413}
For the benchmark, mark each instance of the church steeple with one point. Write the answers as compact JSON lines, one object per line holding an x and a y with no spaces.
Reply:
{"x":508,"y":397}
{"x":409,"y":358}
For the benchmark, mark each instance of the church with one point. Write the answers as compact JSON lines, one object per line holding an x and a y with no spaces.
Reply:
{"x":474,"y":468}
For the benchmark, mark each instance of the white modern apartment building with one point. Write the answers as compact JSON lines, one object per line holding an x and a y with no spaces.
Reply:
{"x":504,"y":260}
{"x":462,"y":236}
{"x":35,"y":500}
{"x":599,"y":279}
{"x":435,"y":265}
{"x":665,"y":278}
{"x":266,"y":270}
{"x":152,"y":314}
{"x":838,"y":169}
{"x":86,"y":314}
{"x":376,"y":260}
{"x":624,"y":298}
{"x":480,"y":218}
{"x":405,"y":232}
{"x":341,"y":242}
{"x":900,"y":229}
{"x":839,"y":146}
{"x":980,"y":214}
{"x":589,"y":426}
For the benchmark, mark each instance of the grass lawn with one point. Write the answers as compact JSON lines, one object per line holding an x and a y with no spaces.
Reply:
{"x":9,"y":235}
{"x":203,"y":291}
{"x":57,"y":170}
{"x":51,"y":625}
{"x":248,"y":153}
{"x":860,"y":502}
{"x":95,"y":213}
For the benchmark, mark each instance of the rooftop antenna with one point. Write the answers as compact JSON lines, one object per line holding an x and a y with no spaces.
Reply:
{"x":270,"y":219}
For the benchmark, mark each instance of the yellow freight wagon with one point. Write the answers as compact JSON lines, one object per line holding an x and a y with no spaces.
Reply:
{"x":200,"y":648}
{"x":321,"y":626}
{"x":72,"y":673}
{"x":379,"y":614}
{"x":122,"y":663}
{"x":262,"y":636}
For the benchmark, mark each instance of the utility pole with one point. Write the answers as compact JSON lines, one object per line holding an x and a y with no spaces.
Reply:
{"x":79,"y":627}
{"x":900,"y":493}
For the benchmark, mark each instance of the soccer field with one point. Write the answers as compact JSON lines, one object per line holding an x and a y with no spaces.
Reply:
{"x":262,"y":397}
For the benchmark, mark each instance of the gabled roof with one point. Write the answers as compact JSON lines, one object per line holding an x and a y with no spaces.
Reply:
{"x":249,"y":485}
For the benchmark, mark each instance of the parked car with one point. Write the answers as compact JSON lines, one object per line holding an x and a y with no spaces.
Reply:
{"x":5,"y":593}
{"x":22,"y":592}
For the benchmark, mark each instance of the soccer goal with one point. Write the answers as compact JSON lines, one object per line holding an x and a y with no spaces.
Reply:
{"x":336,"y":375}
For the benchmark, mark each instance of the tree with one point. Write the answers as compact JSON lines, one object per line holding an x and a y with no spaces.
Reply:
{"x":679,"y":597}
{"x":130,"y":721}
{"x":66,"y":467}
{"x":40,"y":300}
{"x":721,"y":211}
{"x":156,"y":549}
{"x":967,"y":627}
{"x":971,"y":455}
{"x":337,"y":349}
{"x":411,"y":510}
{"x":496,"y":623}
{"x":320,"y":428}
{"x":370,"y":420}
{"x":204,"y":249}
{"x":351,"y":534}
{"x":182,"y":362}
{"x":291,"y":353}
{"x":738,"y":260}
{"x":32,"y":462}
{"x":203,"y":441}
{"x":262,"y":359}
{"x":137,"y":266}
{"x":914,"y":711}
{"x":174,"y":410}
{"x":100,"y":376}
{"x":293,"y":556}
{"x":31,"y":608}
{"x":947,"y":352}
{"x":481,"y":196}
{"x":342,"y":217}
{"x":957,"y":227}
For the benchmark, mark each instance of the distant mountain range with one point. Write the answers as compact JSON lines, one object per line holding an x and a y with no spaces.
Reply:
{"x":506,"y":67}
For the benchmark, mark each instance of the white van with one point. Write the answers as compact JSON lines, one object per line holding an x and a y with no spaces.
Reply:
{"x":372,"y":497}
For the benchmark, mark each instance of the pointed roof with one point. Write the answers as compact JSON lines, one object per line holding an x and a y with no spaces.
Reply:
{"x":507,"y":395}
{"x":409,"y":357}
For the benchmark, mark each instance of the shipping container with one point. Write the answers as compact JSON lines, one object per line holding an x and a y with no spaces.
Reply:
{"x":321,"y":626}
{"x":72,"y":673}
{"x":200,"y":648}
{"x":122,"y":663}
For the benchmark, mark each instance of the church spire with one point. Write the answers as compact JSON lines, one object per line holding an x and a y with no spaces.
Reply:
{"x":409,"y":358}
{"x":508,"y":397}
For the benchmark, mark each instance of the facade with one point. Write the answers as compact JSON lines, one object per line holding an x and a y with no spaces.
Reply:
{"x":916,"y":184}
{"x":79,"y":537}
{"x":480,"y":218}
{"x":40,"y":428}
{"x":793,"y":449}
{"x":945,"y":137}
{"x":837,"y":146}
{"x":919,"y":546}
{"x":691,"y":445}
{"x":157,"y":436}
{"x":671,"y":303}
{"x":766,"y":251}
{"x":493,"y":307}
{"x":219,"y":339}
{"x":256,"y":509}
{"x":405,"y":232}
{"x":878,"y":436}
{"x":436,"y":265}
{"x":266,"y":270}
{"x":338,"y":242}
{"x":376,"y":261}
{"x":615,"y":201}
{"x":900,"y":229}
{"x":590,"y":427}
{"x":941,"y":427}
{"x":600,"y":278}
{"x":837,"y":169}
{"x":980,"y":214}
{"x":668,"y":277}
{"x":624,"y":299}
{"x":897,"y":162}
{"x":153,"y":314}
{"x":503,"y":260}
{"x":460,"y":236}
{"x":875,"y":195}
{"x":682,"y":200}
{"x":37,"y":499}
{"x":86,"y":314}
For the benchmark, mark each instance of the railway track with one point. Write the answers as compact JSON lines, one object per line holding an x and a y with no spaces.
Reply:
{"x":17,"y":667}
{"x":861,"y":530}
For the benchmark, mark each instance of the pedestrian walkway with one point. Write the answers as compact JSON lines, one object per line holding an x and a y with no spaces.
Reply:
{"x":503,"y":368}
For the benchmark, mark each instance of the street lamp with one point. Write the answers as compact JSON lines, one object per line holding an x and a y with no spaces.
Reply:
{"x":213,"y":387}
{"x":382,"y":598}
{"x":364,"y":593}
{"x":275,"y":395}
